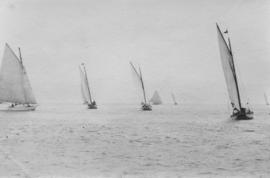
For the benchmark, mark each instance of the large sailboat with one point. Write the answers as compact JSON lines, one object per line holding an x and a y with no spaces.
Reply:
{"x":15,"y":86}
{"x":85,"y":89}
{"x":156,"y":99}
{"x":227,"y":60}
{"x":145,"y":106}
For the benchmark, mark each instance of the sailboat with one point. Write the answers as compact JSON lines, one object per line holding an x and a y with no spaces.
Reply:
{"x":174,"y":100}
{"x":156,"y":99}
{"x":85,"y":89}
{"x":15,"y":87}
{"x":227,"y":60}
{"x":266,"y":99}
{"x":145,"y":106}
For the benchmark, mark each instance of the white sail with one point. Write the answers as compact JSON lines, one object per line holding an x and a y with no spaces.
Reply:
{"x":138,"y":75}
{"x":156,"y":99}
{"x":14,"y":83}
{"x":228,"y":69}
{"x":84,"y":87}
{"x":29,"y":95}
{"x":266,"y":99}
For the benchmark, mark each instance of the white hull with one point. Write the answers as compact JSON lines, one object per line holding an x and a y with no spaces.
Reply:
{"x":22,"y":108}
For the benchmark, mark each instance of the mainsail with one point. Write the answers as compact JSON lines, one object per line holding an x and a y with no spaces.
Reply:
{"x":14,"y":83}
{"x":85,"y":90}
{"x":139,"y":76}
{"x":156,"y":99}
{"x":266,"y":99}
{"x":229,"y":70}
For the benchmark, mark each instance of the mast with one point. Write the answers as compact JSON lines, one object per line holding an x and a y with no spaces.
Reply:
{"x":142,"y":85}
{"x":141,"y":80}
{"x":235,"y":76}
{"x":24,"y":92}
{"x":88,"y":88}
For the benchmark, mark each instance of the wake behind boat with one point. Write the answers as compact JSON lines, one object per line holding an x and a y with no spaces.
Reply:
{"x":227,"y":60}
{"x":145,"y":106}
{"x":15,"y":87}
{"x":85,"y":89}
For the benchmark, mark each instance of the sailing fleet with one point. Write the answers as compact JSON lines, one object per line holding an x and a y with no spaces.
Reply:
{"x":15,"y":87}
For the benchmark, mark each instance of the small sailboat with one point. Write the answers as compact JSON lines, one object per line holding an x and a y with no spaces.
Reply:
{"x":227,"y":60}
{"x":156,"y":99}
{"x":15,"y":87}
{"x":174,"y":100}
{"x":145,"y":106}
{"x":266,"y":99}
{"x":85,"y":89}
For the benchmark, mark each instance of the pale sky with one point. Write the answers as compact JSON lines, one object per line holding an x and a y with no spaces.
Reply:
{"x":174,"y":41}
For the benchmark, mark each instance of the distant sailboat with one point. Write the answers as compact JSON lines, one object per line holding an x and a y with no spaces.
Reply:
{"x":174,"y":100}
{"x":15,"y":86}
{"x":266,"y":99}
{"x":239,"y":112}
{"x":85,"y":89}
{"x":145,"y":106}
{"x":156,"y":100}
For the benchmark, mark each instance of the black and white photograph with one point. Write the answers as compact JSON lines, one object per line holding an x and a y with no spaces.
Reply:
{"x":134,"y":88}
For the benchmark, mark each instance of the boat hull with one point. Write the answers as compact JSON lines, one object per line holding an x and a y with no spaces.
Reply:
{"x":243,"y":115}
{"x":91,"y":106}
{"x":22,"y":108}
{"x":146,"y":107}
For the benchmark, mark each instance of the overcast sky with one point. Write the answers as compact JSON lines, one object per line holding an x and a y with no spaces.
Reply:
{"x":174,"y":41}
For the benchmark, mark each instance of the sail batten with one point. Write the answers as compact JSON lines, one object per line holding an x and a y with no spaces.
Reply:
{"x":229,"y":70}
{"x":15,"y":86}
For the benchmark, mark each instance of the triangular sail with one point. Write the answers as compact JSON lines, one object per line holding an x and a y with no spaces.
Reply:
{"x":156,"y":99}
{"x":84,"y":87}
{"x":29,"y":95}
{"x":229,"y":70}
{"x":139,"y":76}
{"x":14,"y":83}
{"x":266,"y":99}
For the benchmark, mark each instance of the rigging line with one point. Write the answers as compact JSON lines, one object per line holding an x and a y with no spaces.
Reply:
{"x":243,"y":87}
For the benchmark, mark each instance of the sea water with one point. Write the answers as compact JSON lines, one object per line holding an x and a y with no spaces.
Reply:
{"x":68,"y":140}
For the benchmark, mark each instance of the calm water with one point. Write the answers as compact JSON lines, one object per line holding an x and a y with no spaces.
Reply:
{"x":121,"y":141}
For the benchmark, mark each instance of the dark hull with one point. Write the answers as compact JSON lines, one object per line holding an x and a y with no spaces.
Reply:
{"x":146,"y":107}
{"x":22,"y":108}
{"x":92,"y":106}
{"x":242,"y":116}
